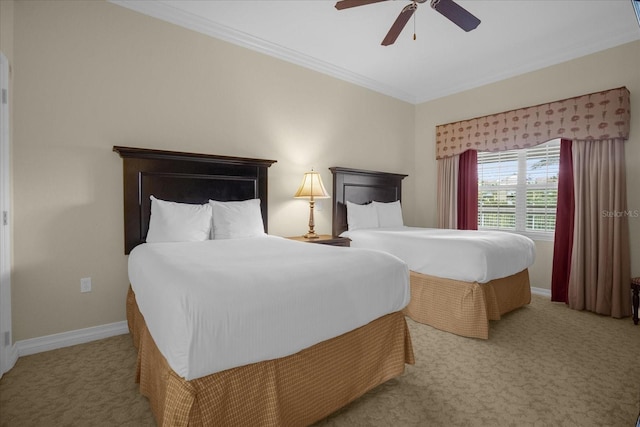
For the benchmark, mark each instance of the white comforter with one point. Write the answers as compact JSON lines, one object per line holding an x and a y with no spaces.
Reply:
{"x":219,"y":304}
{"x":466,"y":255}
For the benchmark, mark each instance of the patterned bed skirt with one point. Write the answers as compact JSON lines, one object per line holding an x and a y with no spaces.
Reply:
{"x":295,"y":390}
{"x":465,"y":308}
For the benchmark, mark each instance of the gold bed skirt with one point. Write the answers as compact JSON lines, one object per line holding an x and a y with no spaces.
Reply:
{"x":295,"y":390}
{"x":465,"y":308}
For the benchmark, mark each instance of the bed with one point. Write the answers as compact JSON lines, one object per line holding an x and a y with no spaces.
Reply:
{"x":459,"y":297}
{"x":250,"y":365}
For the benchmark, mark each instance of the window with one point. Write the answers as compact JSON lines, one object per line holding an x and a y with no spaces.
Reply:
{"x":518,"y":190}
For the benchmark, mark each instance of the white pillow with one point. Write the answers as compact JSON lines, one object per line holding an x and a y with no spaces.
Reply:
{"x":178,"y":222}
{"x":389,"y":214}
{"x":235,"y":220}
{"x":361,"y":216}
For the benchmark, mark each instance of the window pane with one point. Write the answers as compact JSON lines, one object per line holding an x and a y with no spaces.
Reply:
{"x":497,"y":209}
{"x":543,"y":163}
{"x":500,"y":220}
{"x":541,"y":222}
{"x":545,"y":197}
{"x":497,"y":198}
{"x":498,"y":168}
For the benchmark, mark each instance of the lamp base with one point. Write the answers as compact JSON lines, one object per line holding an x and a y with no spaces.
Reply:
{"x":311,"y":235}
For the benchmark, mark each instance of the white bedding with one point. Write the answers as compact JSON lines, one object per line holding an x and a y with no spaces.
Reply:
{"x":465,"y":255}
{"x":219,"y":304}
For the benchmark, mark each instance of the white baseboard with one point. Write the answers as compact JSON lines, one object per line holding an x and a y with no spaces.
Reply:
{"x":67,"y":339}
{"x":541,"y":291}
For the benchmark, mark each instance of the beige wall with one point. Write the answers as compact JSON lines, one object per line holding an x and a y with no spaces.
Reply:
{"x":88,"y":75}
{"x":6,"y":44}
{"x":6,"y":28}
{"x":91,"y":75}
{"x":604,"y":70}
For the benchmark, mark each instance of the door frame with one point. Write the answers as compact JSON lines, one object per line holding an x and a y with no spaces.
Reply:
{"x":8,"y":349}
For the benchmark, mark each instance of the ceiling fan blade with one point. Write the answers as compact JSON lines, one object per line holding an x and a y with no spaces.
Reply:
{"x":398,"y":26}
{"x":456,"y":14}
{"x":345,"y":4}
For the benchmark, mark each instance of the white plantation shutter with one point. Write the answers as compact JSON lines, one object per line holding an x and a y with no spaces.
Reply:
{"x":517,"y":189}
{"x":542,"y":167}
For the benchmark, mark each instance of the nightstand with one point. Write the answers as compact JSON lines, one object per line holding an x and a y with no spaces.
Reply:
{"x":325,"y":239}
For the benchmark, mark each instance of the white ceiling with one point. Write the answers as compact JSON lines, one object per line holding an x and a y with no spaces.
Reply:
{"x":514,"y":37}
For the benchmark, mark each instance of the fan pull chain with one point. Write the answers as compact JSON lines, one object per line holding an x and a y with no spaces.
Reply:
{"x":414,"y":26}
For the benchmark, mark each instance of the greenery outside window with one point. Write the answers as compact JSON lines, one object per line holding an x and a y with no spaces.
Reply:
{"x":518,"y":190}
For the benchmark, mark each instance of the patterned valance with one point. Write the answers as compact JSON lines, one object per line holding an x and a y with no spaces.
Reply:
{"x":596,"y":116}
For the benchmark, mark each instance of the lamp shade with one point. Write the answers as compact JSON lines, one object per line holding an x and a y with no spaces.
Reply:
{"x":312,"y":187}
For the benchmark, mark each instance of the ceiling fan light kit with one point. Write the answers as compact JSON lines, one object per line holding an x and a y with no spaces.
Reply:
{"x":447,"y":8}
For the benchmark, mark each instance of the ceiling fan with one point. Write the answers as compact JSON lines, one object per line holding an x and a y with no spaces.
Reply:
{"x":448,"y":8}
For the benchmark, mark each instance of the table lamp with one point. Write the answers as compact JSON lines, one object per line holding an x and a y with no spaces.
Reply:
{"x":311,"y":188}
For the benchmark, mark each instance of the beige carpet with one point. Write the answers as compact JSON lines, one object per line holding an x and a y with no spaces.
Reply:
{"x":544,"y":365}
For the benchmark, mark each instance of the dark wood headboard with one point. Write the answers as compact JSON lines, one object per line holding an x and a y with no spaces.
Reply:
{"x":361,"y":187}
{"x":185,"y":178}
